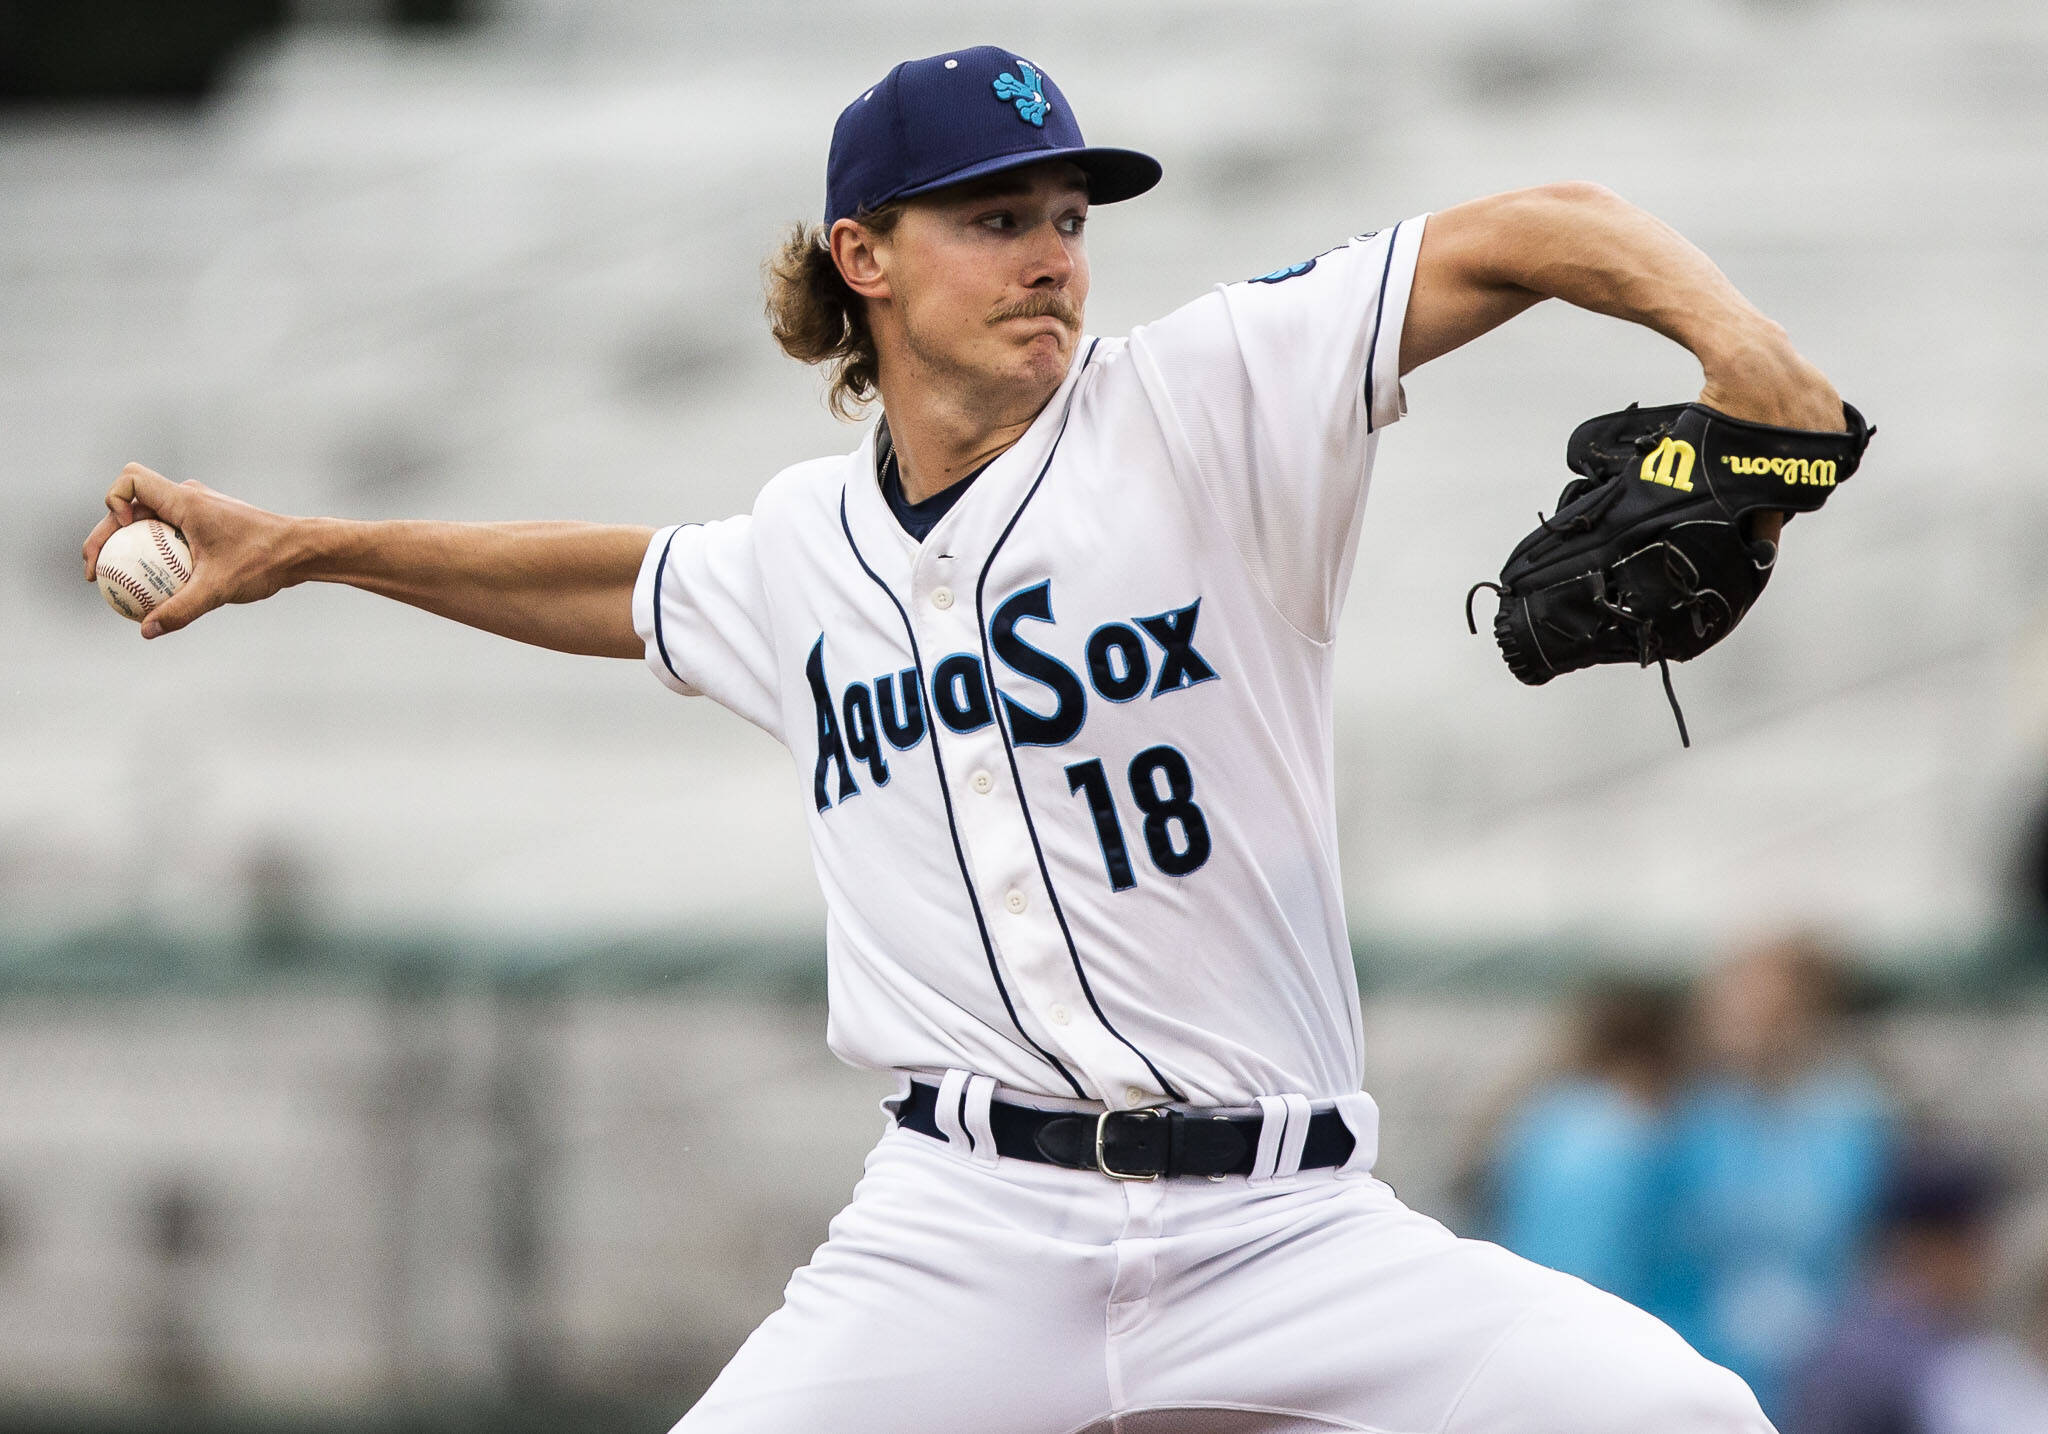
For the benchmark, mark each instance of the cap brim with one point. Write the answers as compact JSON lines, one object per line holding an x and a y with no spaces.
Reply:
{"x":1113,"y":174}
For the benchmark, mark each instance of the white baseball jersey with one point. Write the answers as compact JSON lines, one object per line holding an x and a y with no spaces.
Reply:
{"x":1067,"y":762}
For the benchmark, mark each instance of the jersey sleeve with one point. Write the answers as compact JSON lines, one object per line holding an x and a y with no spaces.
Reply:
{"x":1273,"y":390}
{"x":701,"y":608}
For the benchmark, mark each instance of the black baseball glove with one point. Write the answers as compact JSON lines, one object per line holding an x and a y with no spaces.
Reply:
{"x":1649,"y":557}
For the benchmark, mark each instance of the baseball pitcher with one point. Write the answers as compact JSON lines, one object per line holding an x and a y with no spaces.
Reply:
{"x":1051,"y":652}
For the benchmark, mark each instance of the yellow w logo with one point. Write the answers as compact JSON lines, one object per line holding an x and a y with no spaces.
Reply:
{"x":1670,"y":463}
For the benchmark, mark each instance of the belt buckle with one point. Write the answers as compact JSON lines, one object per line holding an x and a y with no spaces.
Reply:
{"x":1101,"y":1126}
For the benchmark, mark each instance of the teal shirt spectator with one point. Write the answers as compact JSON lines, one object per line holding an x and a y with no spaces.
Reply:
{"x":1581,"y":1180}
{"x":1773,"y":1194}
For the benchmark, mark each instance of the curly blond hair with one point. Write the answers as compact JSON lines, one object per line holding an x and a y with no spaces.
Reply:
{"x":817,"y":318}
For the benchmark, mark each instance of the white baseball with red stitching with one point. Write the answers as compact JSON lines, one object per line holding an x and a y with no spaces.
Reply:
{"x":141,"y":566}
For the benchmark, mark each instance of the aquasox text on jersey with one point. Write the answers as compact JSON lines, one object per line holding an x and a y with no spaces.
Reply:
{"x":867,"y":720}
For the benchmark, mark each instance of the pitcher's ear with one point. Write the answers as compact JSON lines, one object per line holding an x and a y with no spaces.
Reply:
{"x":862,"y":258}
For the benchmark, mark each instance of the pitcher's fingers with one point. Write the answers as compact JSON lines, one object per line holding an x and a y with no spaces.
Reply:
{"x":186,"y":606}
{"x":144,"y":493}
{"x":97,"y":539}
{"x":159,"y":494}
{"x":128,"y":510}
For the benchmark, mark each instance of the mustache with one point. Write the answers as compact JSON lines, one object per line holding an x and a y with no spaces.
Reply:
{"x":1053,"y":305}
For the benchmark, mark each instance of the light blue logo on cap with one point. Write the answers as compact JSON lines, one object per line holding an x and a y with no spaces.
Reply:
{"x":1027,"y":92}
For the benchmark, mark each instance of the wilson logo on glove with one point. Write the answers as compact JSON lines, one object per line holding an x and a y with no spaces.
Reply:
{"x":1670,"y":463}
{"x":1661,"y":570}
{"x":1820,"y":472}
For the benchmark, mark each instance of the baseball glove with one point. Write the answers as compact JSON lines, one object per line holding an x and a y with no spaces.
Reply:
{"x":1649,"y":557}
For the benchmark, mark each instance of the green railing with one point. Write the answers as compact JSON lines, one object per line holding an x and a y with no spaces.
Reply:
{"x":122,"y":961}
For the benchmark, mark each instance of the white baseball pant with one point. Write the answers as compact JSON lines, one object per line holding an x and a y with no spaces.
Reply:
{"x":958,"y":1295}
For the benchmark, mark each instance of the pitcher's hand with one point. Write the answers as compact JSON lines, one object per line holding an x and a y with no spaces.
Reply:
{"x":240,"y":553}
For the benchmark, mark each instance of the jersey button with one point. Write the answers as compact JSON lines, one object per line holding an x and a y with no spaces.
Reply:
{"x":1059,"y":1015}
{"x":1015,"y":901}
{"x":942,"y":598}
{"x":982,"y":782}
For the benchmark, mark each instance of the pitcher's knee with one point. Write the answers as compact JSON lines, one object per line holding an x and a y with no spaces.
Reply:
{"x":1587,"y":1363}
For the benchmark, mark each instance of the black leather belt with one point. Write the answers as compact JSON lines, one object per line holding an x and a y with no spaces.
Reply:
{"x":1133,"y":1144}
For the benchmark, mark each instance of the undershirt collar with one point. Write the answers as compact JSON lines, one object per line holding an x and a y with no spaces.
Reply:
{"x":917,"y":519}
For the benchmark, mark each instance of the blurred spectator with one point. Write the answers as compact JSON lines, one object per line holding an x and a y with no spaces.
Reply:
{"x":1579,"y":1174}
{"x":1911,"y":1355}
{"x":1779,"y":1153}
{"x":1991,"y":1383}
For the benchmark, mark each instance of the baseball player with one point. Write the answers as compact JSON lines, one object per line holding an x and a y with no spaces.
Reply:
{"x":1051,"y":653}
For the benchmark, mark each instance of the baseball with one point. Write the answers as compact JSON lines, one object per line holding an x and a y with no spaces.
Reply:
{"x":141,"y":566}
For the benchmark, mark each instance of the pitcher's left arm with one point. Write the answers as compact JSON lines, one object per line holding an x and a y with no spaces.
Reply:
{"x":1485,"y":261}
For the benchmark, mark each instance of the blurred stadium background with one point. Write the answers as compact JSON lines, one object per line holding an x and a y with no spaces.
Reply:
{"x":402,"y":1030}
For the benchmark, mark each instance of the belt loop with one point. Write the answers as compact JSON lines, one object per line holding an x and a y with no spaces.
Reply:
{"x":1289,"y":1160}
{"x":981,"y":1092}
{"x":1272,"y":1125}
{"x":946,"y":1114}
{"x":892,"y":1104}
{"x":1362,"y":1116}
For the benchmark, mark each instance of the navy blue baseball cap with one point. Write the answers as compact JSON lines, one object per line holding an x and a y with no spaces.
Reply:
{"x":960,"y":116}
